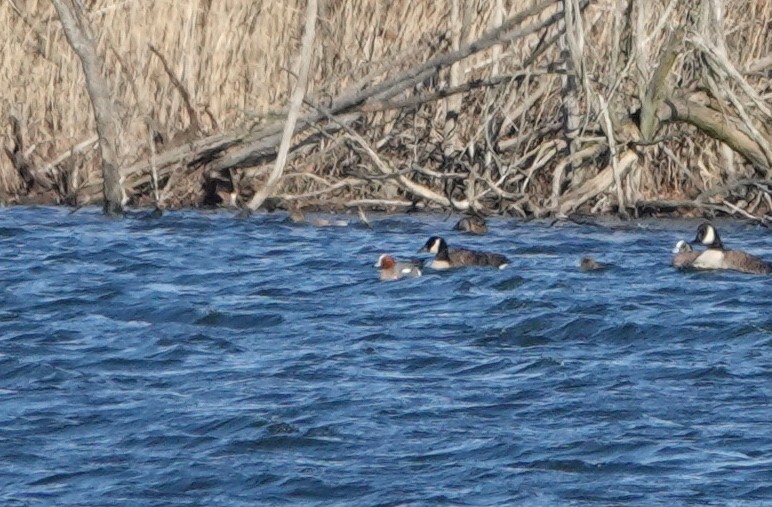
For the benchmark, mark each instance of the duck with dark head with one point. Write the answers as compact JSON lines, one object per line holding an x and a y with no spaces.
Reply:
{"x":472,"y":225}
{"x":590,"y":264}
{"x":447,"y":258}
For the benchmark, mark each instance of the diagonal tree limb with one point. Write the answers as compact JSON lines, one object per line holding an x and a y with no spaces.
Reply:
{"x":389,"y":88}
{"x":296,"y":101}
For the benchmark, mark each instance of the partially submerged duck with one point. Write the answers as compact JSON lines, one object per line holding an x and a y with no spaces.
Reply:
{"x":472,"y":225}
{"x":718,"y":257}
{"x":590,"y":264}
{"x":446,"y":258}
{"x":391,"y":269}
{"x":297,"y":217}
{"x":684,"y":255}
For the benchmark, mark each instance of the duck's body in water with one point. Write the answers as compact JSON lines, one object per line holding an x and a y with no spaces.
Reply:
{"x":447,"y":258}
{"x":718,"y":257}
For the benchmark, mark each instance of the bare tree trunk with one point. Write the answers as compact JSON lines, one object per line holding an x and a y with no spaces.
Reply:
{"x":298,"y":94}
{"x":571,"y":54}
{"x":453,"y":104}
{"x":711,"y":27}
{"x":571,"y":45}
{"x":77,"y":33}
{"x":491,"y":125}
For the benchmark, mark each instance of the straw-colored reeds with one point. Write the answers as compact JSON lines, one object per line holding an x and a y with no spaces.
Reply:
{"x":626,"y":105}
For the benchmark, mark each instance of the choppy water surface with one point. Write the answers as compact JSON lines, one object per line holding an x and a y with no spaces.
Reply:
{"x":199,"y":359}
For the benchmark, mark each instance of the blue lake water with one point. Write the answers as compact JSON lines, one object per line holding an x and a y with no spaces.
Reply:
{"x":201,"y":359}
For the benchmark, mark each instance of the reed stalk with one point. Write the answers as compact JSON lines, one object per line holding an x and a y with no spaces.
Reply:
{"x":684,"y":97}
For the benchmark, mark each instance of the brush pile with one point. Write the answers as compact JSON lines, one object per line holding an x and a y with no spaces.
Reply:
{"x":530,"y":108}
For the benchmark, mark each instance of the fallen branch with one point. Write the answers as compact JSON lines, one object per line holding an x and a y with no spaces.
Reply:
{"x":78,"y":148}
{"x":407,"y":79}
{"x":331,"y":188}
{"x":715,"y":124}
{"x":725,"y":207}
{"x":385,"y":105}
{"x":742,"y":212}
{"x":731,"y":186}
{"x":658,"y":89}
{"x":609,"y":130}
{"x":195,"y":125}
{"x":557,"y":177}
{"x":406,"y":183}
{"x":378,"y":203}
{"x":600,"y":183}
{"x":257,"y":147}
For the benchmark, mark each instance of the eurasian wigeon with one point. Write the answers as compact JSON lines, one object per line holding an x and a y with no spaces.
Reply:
{"x":390,"y":269}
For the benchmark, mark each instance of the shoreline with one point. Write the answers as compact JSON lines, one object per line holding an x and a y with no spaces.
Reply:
{"x":320,"y":215}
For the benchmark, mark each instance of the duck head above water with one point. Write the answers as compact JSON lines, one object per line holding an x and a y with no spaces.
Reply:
{"x":682,"y":247}
{"x":708,"y":235}
{"x":590,"y":264}
{"x":434,"y":245}
{"x":385,"y":262}
{"x":684,"y":256}
{"x":472,"y":225}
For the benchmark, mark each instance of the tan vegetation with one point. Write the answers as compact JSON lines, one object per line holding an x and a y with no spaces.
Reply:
{"x":524,"y":107}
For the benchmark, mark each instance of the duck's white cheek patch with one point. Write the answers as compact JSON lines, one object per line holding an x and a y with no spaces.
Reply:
{"x":710,"y":236}
{"x":435,"y":248}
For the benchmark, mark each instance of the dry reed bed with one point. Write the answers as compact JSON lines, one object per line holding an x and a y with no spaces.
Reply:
{"x":537,"y":129}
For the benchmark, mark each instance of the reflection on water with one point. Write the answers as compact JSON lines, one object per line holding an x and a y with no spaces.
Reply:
{"x":205,"y":360}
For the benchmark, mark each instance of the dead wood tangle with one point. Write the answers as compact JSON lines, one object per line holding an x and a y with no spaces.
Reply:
{"x":533,"y":109}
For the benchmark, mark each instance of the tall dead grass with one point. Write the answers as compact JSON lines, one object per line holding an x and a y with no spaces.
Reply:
{"x":233,"y":59}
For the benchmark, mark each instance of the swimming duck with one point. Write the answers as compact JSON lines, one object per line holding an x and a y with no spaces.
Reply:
{"x":446,"y":258}
{"x":472,"y":225}
{"x":590,"y":264}
{"x":390,"y":269}
{"x":297,"y":217}
{"x":684,"y":255}
{"x":717,"y":257}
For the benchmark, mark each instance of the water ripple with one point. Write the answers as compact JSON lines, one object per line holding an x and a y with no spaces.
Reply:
{"x":199,"y":359}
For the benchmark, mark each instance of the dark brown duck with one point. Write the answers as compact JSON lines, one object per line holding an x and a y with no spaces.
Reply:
{"x":472,"y":225}
{"x":447,"y":258}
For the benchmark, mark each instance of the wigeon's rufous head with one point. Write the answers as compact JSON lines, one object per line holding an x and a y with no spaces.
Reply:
{"x":390,"y":269}
{"x":385,"y":262}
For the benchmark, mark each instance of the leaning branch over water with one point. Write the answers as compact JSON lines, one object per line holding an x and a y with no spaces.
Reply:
{"x":295,"y":102}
